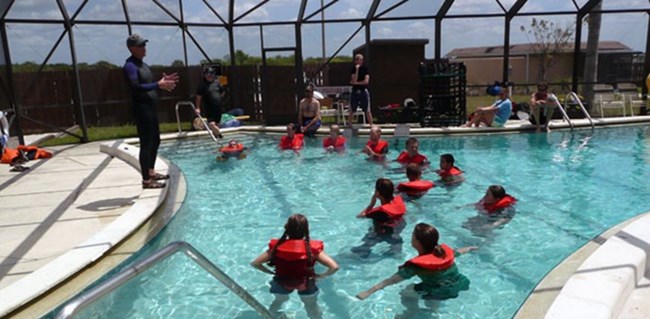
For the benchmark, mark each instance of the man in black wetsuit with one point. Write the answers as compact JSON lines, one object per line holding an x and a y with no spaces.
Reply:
{"x":209,"y":94}
{"x":360,"y":97}
{"x":144,"y":98}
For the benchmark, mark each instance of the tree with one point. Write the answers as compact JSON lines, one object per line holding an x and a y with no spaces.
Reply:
{"x":178,"y":63}
{"x":591,"y":55}
{"x":549,"y":40}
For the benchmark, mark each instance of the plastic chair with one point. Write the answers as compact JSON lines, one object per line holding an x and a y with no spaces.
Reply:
{"x":606,"y":99}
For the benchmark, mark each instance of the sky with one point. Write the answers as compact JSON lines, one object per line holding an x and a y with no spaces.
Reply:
{"x":33,"y":42}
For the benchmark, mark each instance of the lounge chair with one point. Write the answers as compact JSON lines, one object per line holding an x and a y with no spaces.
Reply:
{"x":630,"y":95}
{"x":605,"y":98}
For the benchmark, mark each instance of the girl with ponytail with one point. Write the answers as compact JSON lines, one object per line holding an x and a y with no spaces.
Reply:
{"x":293,"y":257}
{"x":434,"y":265}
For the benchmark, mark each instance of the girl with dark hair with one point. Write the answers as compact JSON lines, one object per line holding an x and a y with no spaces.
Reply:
{"x":387,"y":219}
{"x":434,"y":265}
{"x":293,"y":256}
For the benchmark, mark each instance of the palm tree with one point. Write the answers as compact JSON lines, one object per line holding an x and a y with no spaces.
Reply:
{"x":591,"y":55}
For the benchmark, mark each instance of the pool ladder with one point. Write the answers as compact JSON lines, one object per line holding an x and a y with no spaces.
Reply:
{"x":573,"y":96}
{"x":92,"y":295}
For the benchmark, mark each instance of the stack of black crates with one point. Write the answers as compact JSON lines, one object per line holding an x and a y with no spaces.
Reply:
{"x":442,"y":94}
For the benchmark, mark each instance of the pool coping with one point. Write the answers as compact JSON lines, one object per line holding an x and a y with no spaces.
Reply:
{"x":18,"y":297}
{"x":54,"y":274}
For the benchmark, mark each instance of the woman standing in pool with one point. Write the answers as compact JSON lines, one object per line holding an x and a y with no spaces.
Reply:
{"x":293,"y":256}
{"x":434,"y":265}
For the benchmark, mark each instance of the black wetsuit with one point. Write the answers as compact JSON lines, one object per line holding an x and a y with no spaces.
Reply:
{"x":210,"y":93}
{"x":144,"y":98}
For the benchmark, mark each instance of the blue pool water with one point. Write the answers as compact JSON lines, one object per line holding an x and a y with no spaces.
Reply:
{"x":570,"y":186}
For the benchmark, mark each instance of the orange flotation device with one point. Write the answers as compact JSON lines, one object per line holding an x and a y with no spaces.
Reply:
{"x":451,"y":172}
{"x":339,"y":142}
{"x":32,"y":152}
{"x":290,"y":258}
{"x":227,"y":149}
{"x":395,"y":211}
{"x":405,"y":159}
{"x":415,"y":188}
{"x":432,"y":262}
{"x":380,"y":147}
{"x":295,"y":143}
{"x":504,"y":202}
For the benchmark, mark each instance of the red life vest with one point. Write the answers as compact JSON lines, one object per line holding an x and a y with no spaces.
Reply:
{"x":231,"y":150}
{"x":395,"y":210}
{"x":295,"y":143}
{"x":339,"y":142}
{"x":451,"y":172}
{"x":405,"y":159}
{"x":381,"y":147}
{"x":415,"y":188}
{"x":430,"y":261}
{"x":290,"y":258}
{"x":504,"y":202}
{"x":8,"y":155}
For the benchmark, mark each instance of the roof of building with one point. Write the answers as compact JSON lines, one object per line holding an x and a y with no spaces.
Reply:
{"x":529,"y":48}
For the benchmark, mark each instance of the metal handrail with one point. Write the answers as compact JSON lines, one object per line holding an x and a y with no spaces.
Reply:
{"x":123,"y":276}
{"x":564,"y":115}
{"x":575,"y":97}
{"x":205,"y":124}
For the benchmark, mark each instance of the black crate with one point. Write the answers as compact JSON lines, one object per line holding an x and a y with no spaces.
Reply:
{"x":442,"y":94}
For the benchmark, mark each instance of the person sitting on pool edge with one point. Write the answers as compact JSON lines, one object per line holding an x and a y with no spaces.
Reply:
{"x":496,"y":114}
{"x":233,"y":149}
{"x":411,"y":154}
{"x":293,"y":256}
{"x":309,"y":113}
{"x":448,"y":172}
{"x":376,"y":148}
{"x":435,"y":265}
{"x":416,"y":187}
{"x":387,"y":219}
{"x":291,"y":141}
{"x":335,"y":141}
{"x":542,"y":103}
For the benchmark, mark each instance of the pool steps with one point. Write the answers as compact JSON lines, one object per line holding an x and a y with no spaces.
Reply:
{"x":612,"y":282}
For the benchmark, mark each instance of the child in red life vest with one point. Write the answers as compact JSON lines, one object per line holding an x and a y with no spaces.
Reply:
{"x":336,"y":141}
{"x":411,"y":155}
{"x":387,"y":219}
{"x":434,"y":265}
{"x":376,"y":148}
{"x":293,"y":256}
{"x":291,"y":141}
{"x":233,"y":149}
{"x":497,"y":205}
{"x":416,"y":186}
{"x":449,"y":173}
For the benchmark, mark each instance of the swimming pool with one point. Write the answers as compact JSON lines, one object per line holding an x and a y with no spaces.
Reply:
{"x":570,"y":186}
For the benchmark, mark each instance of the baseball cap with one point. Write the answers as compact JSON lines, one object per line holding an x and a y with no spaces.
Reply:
{"x":136,"y":40}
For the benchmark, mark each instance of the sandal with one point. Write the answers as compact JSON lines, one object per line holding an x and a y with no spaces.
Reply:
{"x":19,"y":168}
{"x":152,"y":184}
{"x":158,"y":176}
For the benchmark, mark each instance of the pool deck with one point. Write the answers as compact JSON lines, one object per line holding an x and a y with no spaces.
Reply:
{"x":69,"y":219}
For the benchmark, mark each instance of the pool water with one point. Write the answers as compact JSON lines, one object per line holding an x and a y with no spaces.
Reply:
{"x":571,"y":187}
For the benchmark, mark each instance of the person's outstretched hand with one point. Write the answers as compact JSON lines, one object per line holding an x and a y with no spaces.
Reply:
{"x":363,"y":295}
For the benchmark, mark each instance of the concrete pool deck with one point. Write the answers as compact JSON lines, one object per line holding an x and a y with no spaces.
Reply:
{"x":70,"y":219}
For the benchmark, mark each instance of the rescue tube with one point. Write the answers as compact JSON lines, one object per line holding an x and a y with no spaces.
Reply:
{"x":415,"y":188}
{"x":432,"y":262}
{"x":504,"y":202}
{"x":294,"y":249}
{"x":405,"y":159}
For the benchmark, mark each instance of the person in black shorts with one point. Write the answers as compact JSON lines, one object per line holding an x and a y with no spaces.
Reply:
{"x":208,"y":97}
{"x":360,"y":97}
{"x":144,"y":99}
